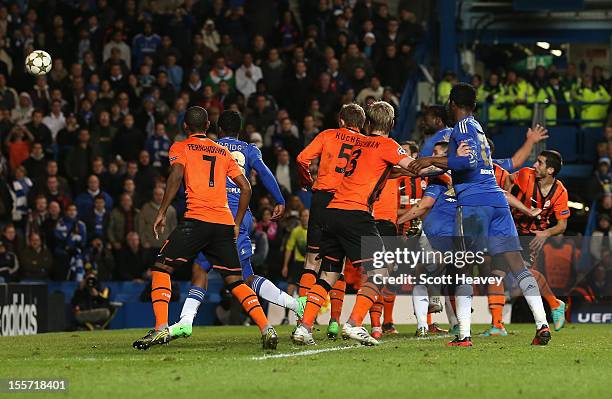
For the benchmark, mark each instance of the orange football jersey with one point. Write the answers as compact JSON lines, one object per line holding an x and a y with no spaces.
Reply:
{"x":501,"y":175}
{"x":554,"y":204}
{"x":366,"y":173}
{"x":385,"y":207}
{"x":207,"y":167}
{"x":334,"y":147}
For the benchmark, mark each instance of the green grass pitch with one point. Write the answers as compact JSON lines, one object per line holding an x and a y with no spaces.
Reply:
{"x":227,"y":362}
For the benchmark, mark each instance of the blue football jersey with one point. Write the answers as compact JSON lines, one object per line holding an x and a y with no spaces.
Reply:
{"x":440,"y":221}
{"x":430,"y":142}
{"x":248,"y":157}
{"x":473,"y":176}
{"x":505,"y":163}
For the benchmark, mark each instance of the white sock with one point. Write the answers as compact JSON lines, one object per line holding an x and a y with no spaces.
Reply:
{"x":191,"y":305}
{"x":531,"y":291}
{"x":463,"y":301}
{"x":265,"y":289}
{"x":450,"y":313}
{"x":420,"y":300}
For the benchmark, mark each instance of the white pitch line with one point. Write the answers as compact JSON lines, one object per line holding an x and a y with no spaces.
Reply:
{"x":305,"y":353}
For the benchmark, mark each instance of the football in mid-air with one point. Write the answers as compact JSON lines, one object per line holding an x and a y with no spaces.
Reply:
{"x":38,"y":63}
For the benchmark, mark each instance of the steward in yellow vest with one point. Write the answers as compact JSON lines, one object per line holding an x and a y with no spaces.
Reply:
{"x":556,"y":101}
{"x":596,"y":100}
{"x":519,"y":96}
{"x":496,"y":99}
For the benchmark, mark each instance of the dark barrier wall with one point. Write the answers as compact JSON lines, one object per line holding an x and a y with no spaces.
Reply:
{"x":592,"y":313}
{"x":23,"y":309}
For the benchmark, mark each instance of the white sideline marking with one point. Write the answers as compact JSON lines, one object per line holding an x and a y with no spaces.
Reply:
{"x":306,"y":353}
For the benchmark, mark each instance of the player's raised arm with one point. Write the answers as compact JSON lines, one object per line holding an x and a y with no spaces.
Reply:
{"x":533,"y":136}
{"x":172,"y":185}
{"x":304,"y":159}
{"x":270,"y":183}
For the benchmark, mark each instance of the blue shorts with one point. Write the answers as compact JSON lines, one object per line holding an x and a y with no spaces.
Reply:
{"x":439,"y":228}
{"x":244,"y":246}
{"x":487,"y":228}
{"x":442,"y":244}
{"x":440,"y":239}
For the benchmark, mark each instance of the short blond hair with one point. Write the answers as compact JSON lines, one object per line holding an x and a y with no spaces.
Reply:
{"x":381,"y":116}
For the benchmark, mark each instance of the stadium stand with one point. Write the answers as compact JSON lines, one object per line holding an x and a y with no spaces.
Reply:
{"x":125,"y":72}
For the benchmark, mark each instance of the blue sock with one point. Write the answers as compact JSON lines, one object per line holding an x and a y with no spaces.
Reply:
{"x":191,"y":305}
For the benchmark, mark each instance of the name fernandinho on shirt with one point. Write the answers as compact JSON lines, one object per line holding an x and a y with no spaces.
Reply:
{"x":206,"y":148}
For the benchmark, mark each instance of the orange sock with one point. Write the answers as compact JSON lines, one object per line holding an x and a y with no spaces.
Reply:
{"x":316,"y":298}
{"x":366,"y":297}
{"x":376,"y":311}
{"x":161,"y":291}
{"x":496,"y":299}
{"x":250,"y":304}
{"x":307,"y":280}
{"x":388,"y":304}
{"x":545,"y":290}
{"x":336,"y":296}
{"x":429,"y":319}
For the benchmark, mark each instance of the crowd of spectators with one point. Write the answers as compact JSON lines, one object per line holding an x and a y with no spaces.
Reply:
{"x":84,"y":148}
{"x":570,"y":96}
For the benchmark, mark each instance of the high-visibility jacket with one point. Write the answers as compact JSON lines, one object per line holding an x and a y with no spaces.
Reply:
{"x":481,"y":94}
{"x":521,"y":90}
{"x":496,"y":98}
{"x":597,"y":110}
{"x":571,"y":85}
{"x":550,"y":97}
{"x":444,"y":89}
